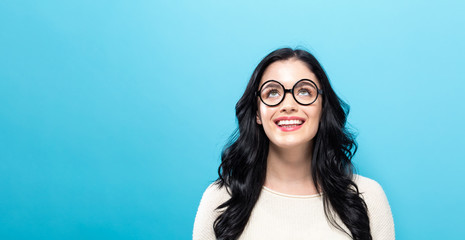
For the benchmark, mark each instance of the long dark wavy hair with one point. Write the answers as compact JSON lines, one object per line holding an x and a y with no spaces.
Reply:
{"x":244,"y":158}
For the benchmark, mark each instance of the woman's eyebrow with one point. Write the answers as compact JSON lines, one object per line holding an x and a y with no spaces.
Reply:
{"x":272,"y":84}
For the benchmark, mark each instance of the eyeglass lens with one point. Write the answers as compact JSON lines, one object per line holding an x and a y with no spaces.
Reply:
{"x":305,"y":92}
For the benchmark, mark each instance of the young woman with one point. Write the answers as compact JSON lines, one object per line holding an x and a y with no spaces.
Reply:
{"x":287,"y":172}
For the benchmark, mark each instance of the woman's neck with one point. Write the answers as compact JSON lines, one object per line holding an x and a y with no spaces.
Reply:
{"x":289,"y":170}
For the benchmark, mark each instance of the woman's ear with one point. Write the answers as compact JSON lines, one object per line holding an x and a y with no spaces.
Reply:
{"x":258,"y":119}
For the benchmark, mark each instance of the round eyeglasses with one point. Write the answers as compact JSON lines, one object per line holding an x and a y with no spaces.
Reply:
{"x":305,"y":92}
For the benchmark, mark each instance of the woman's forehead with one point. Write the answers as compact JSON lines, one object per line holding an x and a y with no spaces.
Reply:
{"x":288,"y":72}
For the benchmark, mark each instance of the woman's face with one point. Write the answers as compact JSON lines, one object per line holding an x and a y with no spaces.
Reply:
{"x":288,"y":72}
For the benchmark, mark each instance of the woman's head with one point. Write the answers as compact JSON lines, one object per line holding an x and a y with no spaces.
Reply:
{"x":286,"y":66}
{"x":289,"y":120}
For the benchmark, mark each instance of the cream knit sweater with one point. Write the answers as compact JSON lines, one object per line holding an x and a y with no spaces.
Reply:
{"x":283,"y":216}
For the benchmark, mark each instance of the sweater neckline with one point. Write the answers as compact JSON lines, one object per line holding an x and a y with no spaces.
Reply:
{"x":291,"y":195}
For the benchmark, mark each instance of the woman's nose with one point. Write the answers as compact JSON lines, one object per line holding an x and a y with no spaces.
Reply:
{"x":289,"y":104}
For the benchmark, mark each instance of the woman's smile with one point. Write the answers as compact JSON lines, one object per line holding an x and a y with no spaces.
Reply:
{"x":288,"y":124}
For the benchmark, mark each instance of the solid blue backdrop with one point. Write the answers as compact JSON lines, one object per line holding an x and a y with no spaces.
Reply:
{"x":113,"y":114}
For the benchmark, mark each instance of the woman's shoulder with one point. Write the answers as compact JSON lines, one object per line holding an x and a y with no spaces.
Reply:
{"x":207,"y":212}
{"x":368,"y":187}
{"x":365,"y":183}
{"x":215,"y":193}
{"x":379,"y":209}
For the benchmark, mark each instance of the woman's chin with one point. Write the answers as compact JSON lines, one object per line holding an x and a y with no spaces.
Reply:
{"x":289,"y":144}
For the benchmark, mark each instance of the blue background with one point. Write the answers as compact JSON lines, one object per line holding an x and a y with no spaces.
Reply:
{"x":113,"y":113}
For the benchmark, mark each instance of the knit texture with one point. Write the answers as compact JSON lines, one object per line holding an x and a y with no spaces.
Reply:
{"x":283,"y":216}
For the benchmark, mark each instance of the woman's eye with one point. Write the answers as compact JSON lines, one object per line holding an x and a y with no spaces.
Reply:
{"x":273,"y":93}
{"x":304,"y":92}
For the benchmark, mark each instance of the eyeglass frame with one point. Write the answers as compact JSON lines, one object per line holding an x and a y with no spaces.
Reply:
{"x":318,"y":92}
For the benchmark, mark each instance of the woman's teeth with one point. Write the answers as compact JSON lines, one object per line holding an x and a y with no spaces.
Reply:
{"x":289,"y":123}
